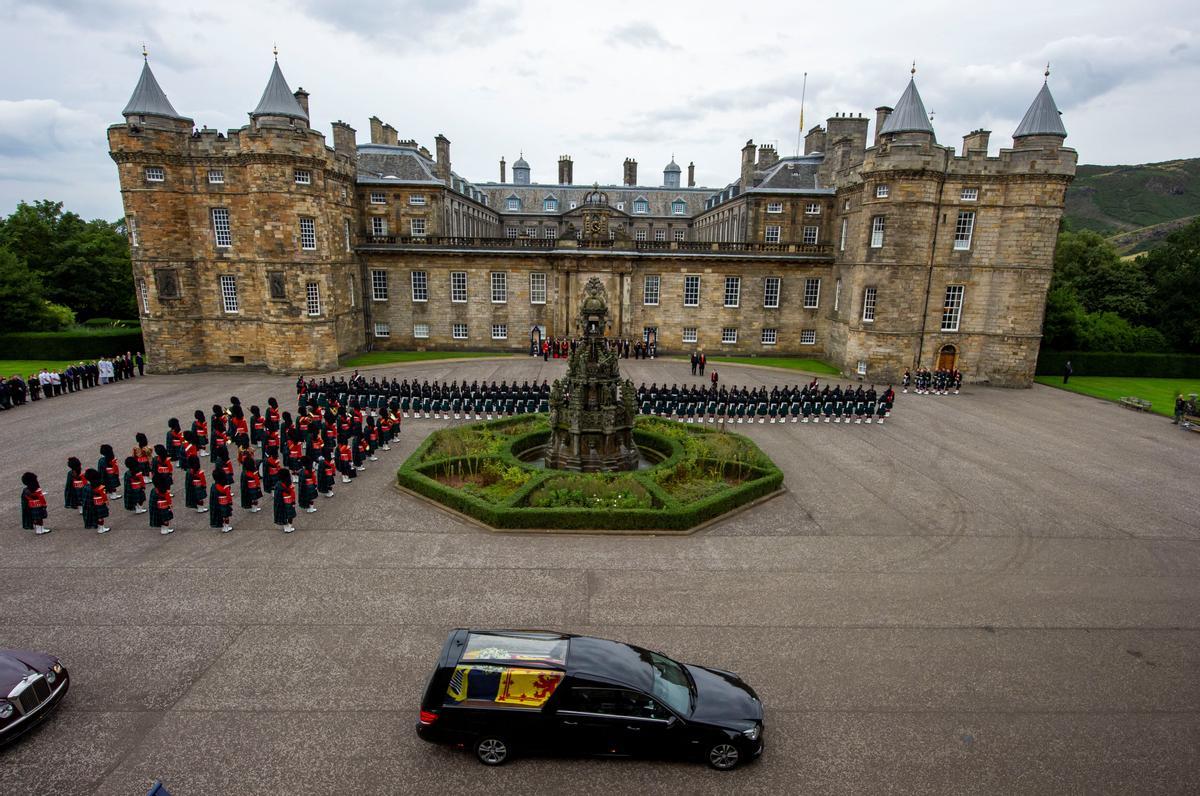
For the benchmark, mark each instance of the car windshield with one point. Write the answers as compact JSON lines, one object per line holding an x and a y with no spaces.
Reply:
{"x":672,"y":683}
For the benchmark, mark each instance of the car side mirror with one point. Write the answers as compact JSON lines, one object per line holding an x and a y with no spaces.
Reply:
{"x":671,"y":722}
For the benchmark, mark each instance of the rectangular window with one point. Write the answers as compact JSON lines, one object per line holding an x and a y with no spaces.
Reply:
{"x":312,"y":296}
{"x":774,"y":207}
{"x":378,"y":225}
{"x":308,"y":234}
{"x":458,"y":287}
{"x":771,"y":234}
{"x":379,"y":285}
{"x":771,"y":292}
{"x":679,"y":208}
{"x":868,"y":304}
{"x":221,"y":232}
{"x":416,"y":227}
{"x":420,"y":330}
{"x":812,"y":293}
{"x":877,"y":224}
{"x":531,"y":232}
{"x":808,"y":337}
{"x":155,"y":174}
{"x":512,"y":205}
{"x":499,"y":331}
{"x":952,"y":308}
{"x":810,"y":234}
{"x":550,"y":206}
{"x":768,"y":337}
{"x":349,"y":245}
{"x":417,"y":199}
{"x":812,"y":209}
{"x":650,"y":333}
{"x":350,"y":285}
{"x":499,"y":287}
{"x":660,"y":234}
{"x":680,"y":234}
{"x":229,"y":293}
{"x":303,"y":176}
{"x":963,"y":229}
{"x":969,"y":194}
{"x":729,"y":335}
{"x":639,"y":234}
{"x":689,"y":334}
{"x":131,"y":225}
{"x":733,"y":291}
{"x":881,"y":192}
{"x":837,"y":295}
{"x":459,"y":331}
{"x":550,"y":232}
{"x":144,"y":293}
{"x":691,"y":291}
{"x":641,"y":206}
{"x":650,"y":289}
{"x":378,"y":198}
{"x":537,"y":288}
{"x":511,"y":232}
{"x":842,"y":242}
{"x":383,"y":330}
{"x":420,"y":286}
{"x":216,"y":176}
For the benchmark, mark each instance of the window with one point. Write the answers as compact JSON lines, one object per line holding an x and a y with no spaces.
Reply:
{"x":229,"y":294}
{"x":531,"y":232}
{"x":771,"y":235}
{"x":774,"y":207}
{"x":459,"y":331}
{"x":963,"y":229}
{"x":458,"y":287}
{"x":881,"y":192}
{"x":383,"y":330}
{"x":549,"y":205}
{"x":969,"y":194}
{"x":144,"y":293}
{"x":420,"y":330}
{"x":378,"y":225}
{"x":868,"y":304}
{"x":812,"y":209}
{"x":131,"y":225}
{"x":877,"y":232}
{"x":350,"y":285}
{"x":378,"y":198}
{"x":679,"y":208}
{"x":639,"y":234}
{"x":216,"y":176}
{"x":308,"y":234}
{"x":862,"y":367}
{"x":641,"y":206}
{"x":349,"y":246}
{"x":768,"y":336}
{"x":620,"y":205}
{"x":691,"y":291}
{"x":842,"y":242}
{"x":499,"y":331}
{"x":733,"y":290}
{"x":537,"y":288}
{"x":650,"y":290}
{"x":837,"y":295}
{"x":221,"y":233}
{"x":660,"y":234}
{"x":303,"y":176}
{"x":420,"y":286}
{"x":550,"y":232}
{"x":812,"y":293}
{"x":417,"y":199}
{"x":680,"y":234}
{"x":810,"y":234}
{"x":499,"y":287}
{"x":808,"y":337}
{"x":155,"y":174}
{"x":312,"y":296}
{"x":689,"y":334}
{"x":729,"y":335}
{"x":379,"y":285}
{"x":513,"y":204}
{"x":512,"y":232}
{"x":771,"y":292}
{"x":416,"y":227}
{"x":952,"y":308}
{"x":650,"y":333}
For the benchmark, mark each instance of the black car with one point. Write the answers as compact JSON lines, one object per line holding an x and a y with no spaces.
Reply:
{"x":31,"y":685}
{"x":502,"y":692}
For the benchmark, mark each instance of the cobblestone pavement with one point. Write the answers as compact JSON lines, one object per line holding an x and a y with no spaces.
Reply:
{"x":993,"y":592}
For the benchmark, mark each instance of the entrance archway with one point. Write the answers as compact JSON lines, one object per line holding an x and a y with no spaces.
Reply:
{"x":947,"y":358}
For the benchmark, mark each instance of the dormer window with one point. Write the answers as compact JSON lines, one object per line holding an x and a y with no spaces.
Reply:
{"x":641,"y":206}
{"x":550,"y":205}
{"x":679,"y":208}
{"x":881,"y":192}
{"x":303,"y":177}
{"x":512,"y":204}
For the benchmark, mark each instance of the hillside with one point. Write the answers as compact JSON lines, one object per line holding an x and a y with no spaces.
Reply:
{"x":1137,"y":204}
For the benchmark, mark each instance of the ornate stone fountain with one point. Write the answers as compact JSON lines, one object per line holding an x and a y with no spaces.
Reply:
{"x":592,"y":410}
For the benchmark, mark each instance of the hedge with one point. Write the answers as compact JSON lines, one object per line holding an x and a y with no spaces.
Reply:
{"x":1102,"y":363}
{"x":668,"y":514}
{"x":71,"y":344}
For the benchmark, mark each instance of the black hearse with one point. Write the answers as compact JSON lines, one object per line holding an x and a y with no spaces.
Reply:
{"x":505,"y":692}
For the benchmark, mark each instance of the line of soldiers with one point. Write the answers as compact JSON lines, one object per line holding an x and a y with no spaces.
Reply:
{"x":809,"y":404}
{"x":460,"y":400}
{"x":932,"y":382}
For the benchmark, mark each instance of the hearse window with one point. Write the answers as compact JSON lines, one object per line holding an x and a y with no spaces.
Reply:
{"x":613,"y":702}
{"x":516,"y":648}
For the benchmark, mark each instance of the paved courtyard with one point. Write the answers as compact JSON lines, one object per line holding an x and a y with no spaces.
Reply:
{"x":994,"y":592}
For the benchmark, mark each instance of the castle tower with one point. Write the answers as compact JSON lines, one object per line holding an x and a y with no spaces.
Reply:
{"x":520,"y":170}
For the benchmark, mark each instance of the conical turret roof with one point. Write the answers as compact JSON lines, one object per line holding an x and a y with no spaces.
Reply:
{"x":148,"y":98}
{"x":1042,"y":118}
{"x":909,"y":115}
{"x":277,"y":98}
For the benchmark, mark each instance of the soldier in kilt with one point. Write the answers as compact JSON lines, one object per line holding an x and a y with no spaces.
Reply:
{"x":134,"y":488}
{"x":220,"y":501}
{"x":285,"y":501}
{"x":34,"y":509}
{"x":161,"y":500}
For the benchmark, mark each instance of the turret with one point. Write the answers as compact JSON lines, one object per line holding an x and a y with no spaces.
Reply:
{"x":278,"y":106}
{"x":909,"y":121}
{"x":149,"y":106}
{"x":671,"y":174}
{"x":520,"y":171}
{"x":1041,"y":127}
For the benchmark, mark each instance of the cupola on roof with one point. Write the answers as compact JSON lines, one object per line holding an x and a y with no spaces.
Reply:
{"x":672,"y":166}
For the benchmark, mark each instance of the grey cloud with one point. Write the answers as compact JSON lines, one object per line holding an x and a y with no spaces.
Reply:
{"x":41,"y":127}
{"x":639,"y":34}
{"x":441,"y":24}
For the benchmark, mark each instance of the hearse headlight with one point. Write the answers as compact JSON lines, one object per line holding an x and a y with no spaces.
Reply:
{"x":51,"y":676}
{"x":57,"y":668}
{"x":753,"y":732}
{"x":6,"y":709}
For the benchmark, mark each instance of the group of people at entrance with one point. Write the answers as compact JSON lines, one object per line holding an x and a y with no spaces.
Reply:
{"x":932,"y":382}
{"x":561,"y":347}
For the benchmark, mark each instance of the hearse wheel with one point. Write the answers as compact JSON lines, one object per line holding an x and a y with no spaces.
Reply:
{"x":723,"y":756}
{"x":492,"y":750}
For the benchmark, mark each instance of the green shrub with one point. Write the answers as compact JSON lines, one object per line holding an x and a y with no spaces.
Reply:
{"x":1101,"y":363}
{"x":73,"y":344}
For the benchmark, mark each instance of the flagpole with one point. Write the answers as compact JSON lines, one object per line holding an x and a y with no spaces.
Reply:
{"x":800,"y":132}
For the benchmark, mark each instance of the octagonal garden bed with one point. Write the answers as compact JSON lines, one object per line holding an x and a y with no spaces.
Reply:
{"x":691,"y":474}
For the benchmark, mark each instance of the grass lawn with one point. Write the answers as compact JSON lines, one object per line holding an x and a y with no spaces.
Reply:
{"x":789,"y":363}
{"x":1159,"y":392}
{"x":27,"y":366}
{"x":389,"y":357}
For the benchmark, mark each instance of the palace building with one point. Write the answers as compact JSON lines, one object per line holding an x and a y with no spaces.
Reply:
{"x":267,"y":247}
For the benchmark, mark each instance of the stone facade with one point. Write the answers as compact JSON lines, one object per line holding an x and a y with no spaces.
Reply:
{"x":956,"y":249}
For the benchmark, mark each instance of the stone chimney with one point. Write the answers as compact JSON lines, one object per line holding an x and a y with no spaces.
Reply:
{"x":976,"y":141}
{"x":302,"y":97}
{"x":503,"y":175}
{"x":376,"y":130}
{"x":881,"y":114}
{"x":566,"y":170}
{"x":630,"y":171}
{"x":344,"y":140}
{"x":814,"y":140}
{"x":389,"y":135}
{"x":691,"y":175}
{"x":747,"y":173}
{"x":442,"y":167}
{"x":767,"y":156}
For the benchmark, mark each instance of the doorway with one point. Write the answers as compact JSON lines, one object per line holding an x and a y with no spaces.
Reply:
{"x":947,"y":358}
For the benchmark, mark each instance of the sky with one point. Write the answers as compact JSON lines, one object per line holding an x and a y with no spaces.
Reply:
{"x":598,"y":81}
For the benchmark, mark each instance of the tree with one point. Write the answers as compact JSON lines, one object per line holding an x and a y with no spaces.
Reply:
{"x":1173,"y":271}
{"x":22,"y":299}
{"x":1089,"y":265}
